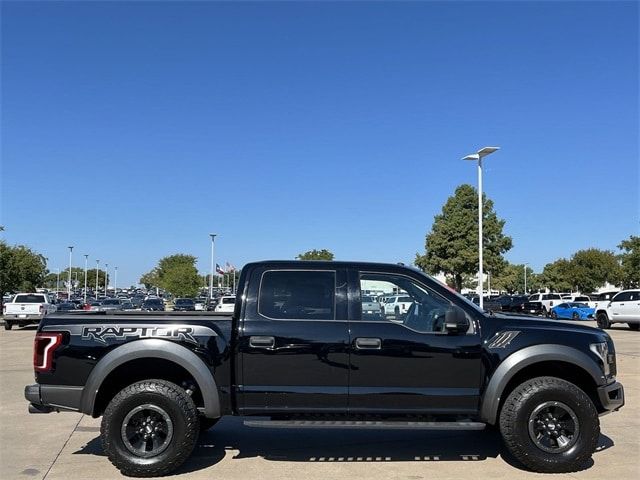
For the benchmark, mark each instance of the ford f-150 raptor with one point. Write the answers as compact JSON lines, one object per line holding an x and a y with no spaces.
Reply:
{"x":298,"y":351}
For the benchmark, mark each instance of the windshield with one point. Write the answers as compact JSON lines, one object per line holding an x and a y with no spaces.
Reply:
{"x":578,"y":305}
{"x":229,"y":300}
{"x":111,"y":302}
{"x":153,"y":301}
{"x":29,"y":299}
{"x":184,"y":301}
{"x":367,"y":299}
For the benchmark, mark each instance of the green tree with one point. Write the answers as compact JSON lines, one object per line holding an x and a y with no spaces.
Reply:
{"x":21,"y":269}
{"x":150,"y":279}
{"x":314,"y":254}
{"x":511,"y":279}
{"x":630,"y":262}
{"x":592,"y":268}
{"x":452,"y":245}
{"x":177,"y":274}
{"x":556,"y":276}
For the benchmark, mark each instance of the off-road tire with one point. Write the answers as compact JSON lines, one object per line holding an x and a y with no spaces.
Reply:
{"x":634,"y":326}
{"x":8,"y":325}
{"x":514,"y":424}
{"x":207,"y":423}
{"x":180,"y":408}
{"x":602,"y":320}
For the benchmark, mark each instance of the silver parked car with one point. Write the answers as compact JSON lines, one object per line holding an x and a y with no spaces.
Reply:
{"x":111,"y":304}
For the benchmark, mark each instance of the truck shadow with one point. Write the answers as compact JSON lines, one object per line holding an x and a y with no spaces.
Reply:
{"x":348,"y":445}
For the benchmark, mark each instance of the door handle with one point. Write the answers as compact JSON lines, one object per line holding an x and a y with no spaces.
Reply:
{"x":368,"y":343}
{"x":262,"y":342}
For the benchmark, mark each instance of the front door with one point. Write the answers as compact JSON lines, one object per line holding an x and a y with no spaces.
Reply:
{"x":410,"y":364}
{"x":293,"y":343}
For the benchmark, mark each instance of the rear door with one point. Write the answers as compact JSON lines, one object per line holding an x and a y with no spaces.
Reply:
{"x":293,"y":342}
{"x":410,"y":366}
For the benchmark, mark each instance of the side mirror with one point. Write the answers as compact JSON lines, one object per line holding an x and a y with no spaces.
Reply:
{"x":455,"y":320}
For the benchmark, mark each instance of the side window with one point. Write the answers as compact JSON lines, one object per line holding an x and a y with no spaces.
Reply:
{"x":417,"y":308}
{"x":297,"y":294}
{"x":621,"y":297}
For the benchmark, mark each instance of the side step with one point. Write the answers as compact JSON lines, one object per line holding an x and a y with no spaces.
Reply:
{"x":365,"y":424}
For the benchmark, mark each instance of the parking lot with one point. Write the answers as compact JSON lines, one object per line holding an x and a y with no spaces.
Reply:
{"x":67,"y":445}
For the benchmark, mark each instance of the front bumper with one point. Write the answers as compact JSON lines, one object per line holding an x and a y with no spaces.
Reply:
{"x":49,"y":398}
{"x":611,"y":397}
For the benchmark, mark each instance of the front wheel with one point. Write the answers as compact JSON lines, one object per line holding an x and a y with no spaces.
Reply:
{"x":150,"y":428}
{"x":603,"y":321}
{"x":550,"y":425}
{"x":576,"y":316}
{"x":554,"y":315}
{"x":8,"y":324}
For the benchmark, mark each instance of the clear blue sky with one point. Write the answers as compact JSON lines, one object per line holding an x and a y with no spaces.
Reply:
{"x":132,"y":130}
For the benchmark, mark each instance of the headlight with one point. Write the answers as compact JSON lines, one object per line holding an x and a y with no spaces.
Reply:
{"x":602,"y":351}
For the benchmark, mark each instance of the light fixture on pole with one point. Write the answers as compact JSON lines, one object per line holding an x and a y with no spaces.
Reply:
{"x":69,"y":286}
{"x":95,"y":291}
{"x":213,"y":238}
{"x":106,"y":279}
{"x":86,"y":259}
{"x":478,"y":156}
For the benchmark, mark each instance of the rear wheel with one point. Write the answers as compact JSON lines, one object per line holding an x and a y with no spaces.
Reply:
{"x":634,"y":326}
{"x":8,"y":324}
{"x":550,"y":425}
{"x":603,"y":321}
{"x":554,"y":315}
{"x":150,"y":428}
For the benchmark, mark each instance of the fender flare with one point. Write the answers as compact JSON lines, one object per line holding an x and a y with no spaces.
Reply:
{"x":515,"y":362}
{"x":153,"y":348}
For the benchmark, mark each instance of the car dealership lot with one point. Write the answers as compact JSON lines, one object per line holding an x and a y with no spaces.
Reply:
{"x":67,"y":445}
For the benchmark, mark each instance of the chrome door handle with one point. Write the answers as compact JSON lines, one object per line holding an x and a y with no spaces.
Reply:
{"x":368,"y":343}
{"x":262,"y":342}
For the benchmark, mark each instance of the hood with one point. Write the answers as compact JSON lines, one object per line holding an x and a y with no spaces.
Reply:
{"x":526,"y":322}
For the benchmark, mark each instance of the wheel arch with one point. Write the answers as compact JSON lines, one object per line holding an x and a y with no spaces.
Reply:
{"x":149,"y":349}
{"x":540,"y":360}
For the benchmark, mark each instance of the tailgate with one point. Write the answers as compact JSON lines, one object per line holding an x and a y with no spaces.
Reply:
{"x":23,"y":308}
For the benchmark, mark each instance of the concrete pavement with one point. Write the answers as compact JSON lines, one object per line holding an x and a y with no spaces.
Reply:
{"x":66,"y":446}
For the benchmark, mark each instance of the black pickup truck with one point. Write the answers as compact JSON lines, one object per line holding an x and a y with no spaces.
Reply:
{"x":300,"y":351}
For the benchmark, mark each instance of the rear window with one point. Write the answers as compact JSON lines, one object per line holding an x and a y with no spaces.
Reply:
{"x":229,"y":300}
{"x":153,"y":301}
{"x":30,"y":299}
{"x":405,"y":299}
{"x":367,"y":299}
{"x":111,"y":302}
{"x":184,"y":301}
{"x":293,"y":294}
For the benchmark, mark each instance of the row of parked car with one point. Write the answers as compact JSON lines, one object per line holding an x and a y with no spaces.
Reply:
{"x":606,"y":308}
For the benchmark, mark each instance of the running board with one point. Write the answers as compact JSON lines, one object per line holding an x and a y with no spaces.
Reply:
{"x":365,"y":424}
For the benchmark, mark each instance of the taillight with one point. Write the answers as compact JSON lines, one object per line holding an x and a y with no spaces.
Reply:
{"x":44,"y":345}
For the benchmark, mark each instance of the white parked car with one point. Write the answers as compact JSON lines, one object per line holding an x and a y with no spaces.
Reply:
{"x":26,"y":308}
{"x":226,"y":304}
{"x":548,"y":301}
{"x":624,"y":307}
{"x":397,"y":306}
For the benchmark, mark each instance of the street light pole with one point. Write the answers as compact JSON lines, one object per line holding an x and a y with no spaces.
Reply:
{"x":86,"y":259}
{"x":525,"y":278}
{"x":115,"y":282}
{"x":58,"y":285}
{"x":69,"y":286}
{"x":478,"y":156}
{"x":106,"y":278}
{"x":213,"y":238}
{"x":95,"y":292}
